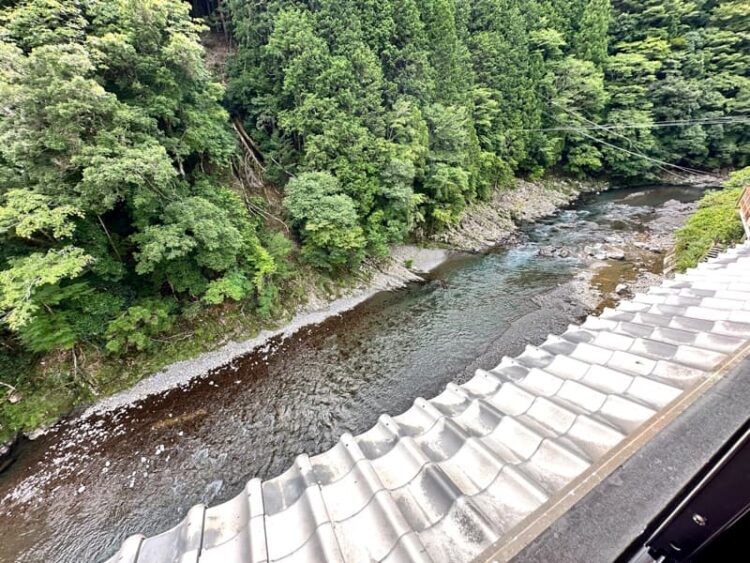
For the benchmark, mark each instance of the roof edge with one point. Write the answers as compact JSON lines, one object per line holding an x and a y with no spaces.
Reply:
{"x":531,"y":527}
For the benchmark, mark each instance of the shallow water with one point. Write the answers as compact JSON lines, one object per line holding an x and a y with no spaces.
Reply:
{"x":77,"y":492}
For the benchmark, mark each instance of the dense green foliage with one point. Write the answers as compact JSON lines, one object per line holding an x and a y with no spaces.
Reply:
{"x":120,"y":220}
{"x":113,"y":146}
{"x":681,"y":60}
{"x":715,"y":221}
{"x":326,"y":218}
{"x":419,"y":107}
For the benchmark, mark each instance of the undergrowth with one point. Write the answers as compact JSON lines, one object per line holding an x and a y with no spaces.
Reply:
{"x":716,"y":220}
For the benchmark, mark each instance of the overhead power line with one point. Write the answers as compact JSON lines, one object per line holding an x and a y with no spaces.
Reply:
{"x":593,"y":124}
{"x":631,"y":144}
{"x":612,"y":128}
{"x":660,"y":163}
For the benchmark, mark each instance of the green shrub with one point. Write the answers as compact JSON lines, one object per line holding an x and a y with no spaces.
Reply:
{"x":716,"y":220}
{"x":137,"y":326}
{"x":233,"y":285}
{"x":326,"y":220}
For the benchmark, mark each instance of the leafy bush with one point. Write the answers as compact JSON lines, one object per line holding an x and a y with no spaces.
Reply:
{"x":234,"y":286}
{"x":716,"y":220}
{"x":279,"y":247}
{"x":326,"y":220}
{"x":36,"y":281}
{"x":137,"y":326}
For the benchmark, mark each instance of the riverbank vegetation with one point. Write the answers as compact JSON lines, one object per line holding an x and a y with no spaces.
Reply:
{"x":140,"y":200}
{"x":715,"y":222}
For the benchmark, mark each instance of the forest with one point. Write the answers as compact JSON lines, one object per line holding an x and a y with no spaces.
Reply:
{"x":378,"y":121}
{"x":418,"y":107}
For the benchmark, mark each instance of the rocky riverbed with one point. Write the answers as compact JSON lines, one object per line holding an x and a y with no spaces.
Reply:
{"x":496,"y":222}
{"x":639,"y":255}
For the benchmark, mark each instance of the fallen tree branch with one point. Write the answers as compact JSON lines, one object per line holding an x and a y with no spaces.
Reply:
{"x":266,"y":214}
{"x":251,"y":148}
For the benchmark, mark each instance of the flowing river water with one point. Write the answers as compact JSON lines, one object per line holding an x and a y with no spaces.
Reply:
{"x":76,"y":492}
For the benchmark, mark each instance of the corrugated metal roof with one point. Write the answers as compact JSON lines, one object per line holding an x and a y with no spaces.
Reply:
{"x":454,"y":474}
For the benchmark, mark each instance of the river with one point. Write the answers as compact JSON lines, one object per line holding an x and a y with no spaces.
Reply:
{"x":76,"y":492}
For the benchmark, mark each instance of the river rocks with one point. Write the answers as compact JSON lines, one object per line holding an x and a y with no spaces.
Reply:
{"x":602,"y":252}
{"x":591,"y":250}
{"x":656,"y":244}
{"x":616,"y":240}
{"x":549,"y":251}
{"x":8,"y":453}
{"x":487,"y":224}
{"x":555,"y":251}
{"x":694,"y":179}
{"x":38,"y":432}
